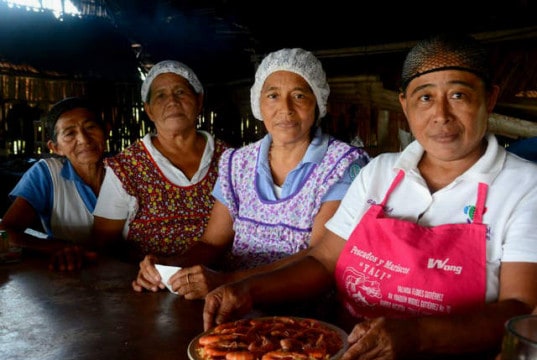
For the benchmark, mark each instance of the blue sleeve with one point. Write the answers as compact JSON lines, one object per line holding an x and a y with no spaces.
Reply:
{"x":223,"y":162}
{"x":35,"y":186}
{"x":217,"y":192}
{"x":338,"y":190}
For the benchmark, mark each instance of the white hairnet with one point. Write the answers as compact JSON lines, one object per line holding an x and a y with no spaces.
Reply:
{"x":170,"y":66}
{"x":299,"y":61}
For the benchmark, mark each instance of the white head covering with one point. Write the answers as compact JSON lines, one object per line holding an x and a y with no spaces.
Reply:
{"x":299,"y":61}
{"x":170,"y":66}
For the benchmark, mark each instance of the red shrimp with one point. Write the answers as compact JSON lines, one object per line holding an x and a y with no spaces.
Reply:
{"x":231,"y":326}
{"x":286,"y":319}
{"x":261,"y":345}
{"x":240,"y":355}
{"x":283,"y":355}
{"x":215,"y":352}
{"x":309,"y":323}
{"x":290,"y":344}
{"x":212,"y":339}
{"x":315,"y":352}
{"x":222,"y":348}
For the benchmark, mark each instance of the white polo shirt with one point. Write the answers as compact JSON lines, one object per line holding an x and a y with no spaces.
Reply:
{"x":511,"y":204}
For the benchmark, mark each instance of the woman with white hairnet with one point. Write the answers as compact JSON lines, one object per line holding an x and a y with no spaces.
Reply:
{"x":274,"y":196}
{"x":432,"y":249}
{"x":156,"y":194}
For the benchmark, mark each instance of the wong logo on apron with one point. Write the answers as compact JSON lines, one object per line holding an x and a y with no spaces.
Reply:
{"x":391,"y":267}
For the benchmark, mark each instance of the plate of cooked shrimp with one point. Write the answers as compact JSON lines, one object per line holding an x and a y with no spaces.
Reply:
{"x":270,"y":338}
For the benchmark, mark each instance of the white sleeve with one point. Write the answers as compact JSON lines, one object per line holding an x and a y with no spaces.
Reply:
{"x":113,"y":201}
{"x":350,"y":210}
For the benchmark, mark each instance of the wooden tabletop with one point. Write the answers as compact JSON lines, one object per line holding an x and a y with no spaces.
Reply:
{"x":91,"y":314}
{"x":94,"y":314}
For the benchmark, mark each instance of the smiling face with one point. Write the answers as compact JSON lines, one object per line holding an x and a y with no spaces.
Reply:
{"x":79,"y":137}
{"x":173,"y":105}
{"x":288,"y":107}
{"x":448,"y":112}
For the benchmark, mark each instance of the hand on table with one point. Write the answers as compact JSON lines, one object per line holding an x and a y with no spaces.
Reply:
{"x":71,"y":258}
{"x":148,"y":276}
{"x":197,"y":281}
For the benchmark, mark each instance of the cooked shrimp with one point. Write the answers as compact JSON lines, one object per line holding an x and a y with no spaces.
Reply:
{"x":290,"y":344}
{"x":315,"y":352}
{"x":222,"y":348}
{"x":212,"y":339}
{"x":240,"y":355}
{"x":283,"y":355}
{"x":231,"y":327}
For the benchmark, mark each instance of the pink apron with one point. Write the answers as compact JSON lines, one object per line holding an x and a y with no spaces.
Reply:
{"x":395,"y":268}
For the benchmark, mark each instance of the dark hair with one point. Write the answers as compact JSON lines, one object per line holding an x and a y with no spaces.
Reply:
{"x":65,"y":105}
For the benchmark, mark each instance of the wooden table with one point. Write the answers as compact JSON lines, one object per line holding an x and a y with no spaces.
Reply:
{"x":92,"y":314}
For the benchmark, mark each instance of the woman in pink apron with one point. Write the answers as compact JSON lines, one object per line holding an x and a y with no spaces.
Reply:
{"x":431,"y":249}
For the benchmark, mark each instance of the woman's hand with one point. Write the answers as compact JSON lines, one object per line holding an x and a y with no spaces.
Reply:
{"x":70,"y":258}
{"x":381,"y":339}
{"x":148,"y":276}
{"x":226,"y":303}
{"x":197,"y":281}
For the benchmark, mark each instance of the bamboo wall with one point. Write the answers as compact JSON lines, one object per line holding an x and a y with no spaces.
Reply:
{"x":25,"y":99}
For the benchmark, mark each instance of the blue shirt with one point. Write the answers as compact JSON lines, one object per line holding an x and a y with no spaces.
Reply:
{"x":36,"y":187}
{"x":314,"y":155}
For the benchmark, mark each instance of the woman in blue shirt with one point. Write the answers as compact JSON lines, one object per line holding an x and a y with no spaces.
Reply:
{"x":61,"y":191}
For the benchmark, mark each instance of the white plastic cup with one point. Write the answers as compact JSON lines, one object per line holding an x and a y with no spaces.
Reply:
{"x":520,"y":338}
